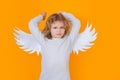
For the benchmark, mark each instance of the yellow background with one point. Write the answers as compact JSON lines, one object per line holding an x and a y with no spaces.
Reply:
{"x":101,"y":62}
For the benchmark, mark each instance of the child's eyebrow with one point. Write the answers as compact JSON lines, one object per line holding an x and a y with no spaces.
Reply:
{"x":60,"y":26}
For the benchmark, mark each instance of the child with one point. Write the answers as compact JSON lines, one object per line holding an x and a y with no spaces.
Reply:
{"x":55,"y":42}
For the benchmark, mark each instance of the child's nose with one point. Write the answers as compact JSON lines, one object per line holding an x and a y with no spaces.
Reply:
{"x":59,"y":30}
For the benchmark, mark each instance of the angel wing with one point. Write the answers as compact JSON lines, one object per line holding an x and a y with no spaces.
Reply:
{"x":26,"y":41}
{"x":85,"y":39}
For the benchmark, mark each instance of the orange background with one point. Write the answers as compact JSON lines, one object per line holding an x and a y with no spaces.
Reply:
{"x":101,"y":62}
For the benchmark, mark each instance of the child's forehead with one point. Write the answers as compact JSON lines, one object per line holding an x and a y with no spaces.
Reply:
{"x":57,"y":23}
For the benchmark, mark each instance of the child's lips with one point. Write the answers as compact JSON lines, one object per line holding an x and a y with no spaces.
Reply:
{"x":58,"y":34}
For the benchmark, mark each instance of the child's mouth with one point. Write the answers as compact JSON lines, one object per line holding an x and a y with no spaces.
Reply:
{"x":58,"y":34}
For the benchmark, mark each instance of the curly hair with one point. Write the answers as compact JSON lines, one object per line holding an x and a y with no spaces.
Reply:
{"x":55,"y":17}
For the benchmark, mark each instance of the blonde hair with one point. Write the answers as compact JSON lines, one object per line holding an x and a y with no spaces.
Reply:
{"x":55,"y":17}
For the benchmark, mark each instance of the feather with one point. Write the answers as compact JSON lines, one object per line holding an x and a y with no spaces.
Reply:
{"x":26,"y":41}
{"x":85,"y":39}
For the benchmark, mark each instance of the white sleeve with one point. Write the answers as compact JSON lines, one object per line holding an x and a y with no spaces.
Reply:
{"x":33,"y":27}
{"x":76,"y":24}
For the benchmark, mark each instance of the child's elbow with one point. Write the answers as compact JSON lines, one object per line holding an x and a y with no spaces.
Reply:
{"x":31,"y":22}
{"x":78,"y":22}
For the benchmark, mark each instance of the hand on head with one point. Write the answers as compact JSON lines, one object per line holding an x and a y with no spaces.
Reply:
{"x":44,"y":15}
{"x":62,"y":12}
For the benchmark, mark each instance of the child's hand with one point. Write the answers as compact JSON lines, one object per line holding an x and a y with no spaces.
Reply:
{"x":60,"y":12}
{"x":44,"y":15}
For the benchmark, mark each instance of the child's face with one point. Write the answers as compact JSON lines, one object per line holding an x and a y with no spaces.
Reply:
{"x":57,"y":29}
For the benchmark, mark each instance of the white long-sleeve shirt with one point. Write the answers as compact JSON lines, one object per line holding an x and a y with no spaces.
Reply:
{"x":56,"y":51}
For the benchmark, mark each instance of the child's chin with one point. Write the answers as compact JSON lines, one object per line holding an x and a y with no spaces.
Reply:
{"x":58,"y":36}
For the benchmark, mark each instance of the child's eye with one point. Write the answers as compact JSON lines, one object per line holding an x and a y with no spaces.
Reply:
{"x":62,"y":27}
{"x":54,"y":27}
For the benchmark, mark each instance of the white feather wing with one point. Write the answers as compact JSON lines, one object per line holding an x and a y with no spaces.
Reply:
{"x":85,"y":39}
{"x":26,"y":41}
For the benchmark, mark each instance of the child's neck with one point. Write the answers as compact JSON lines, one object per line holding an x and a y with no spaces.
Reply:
{"x":55,"y":38}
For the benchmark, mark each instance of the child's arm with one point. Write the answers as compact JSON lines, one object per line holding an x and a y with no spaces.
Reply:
{"x":75,"y":25}
{"x":33,"y":27}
